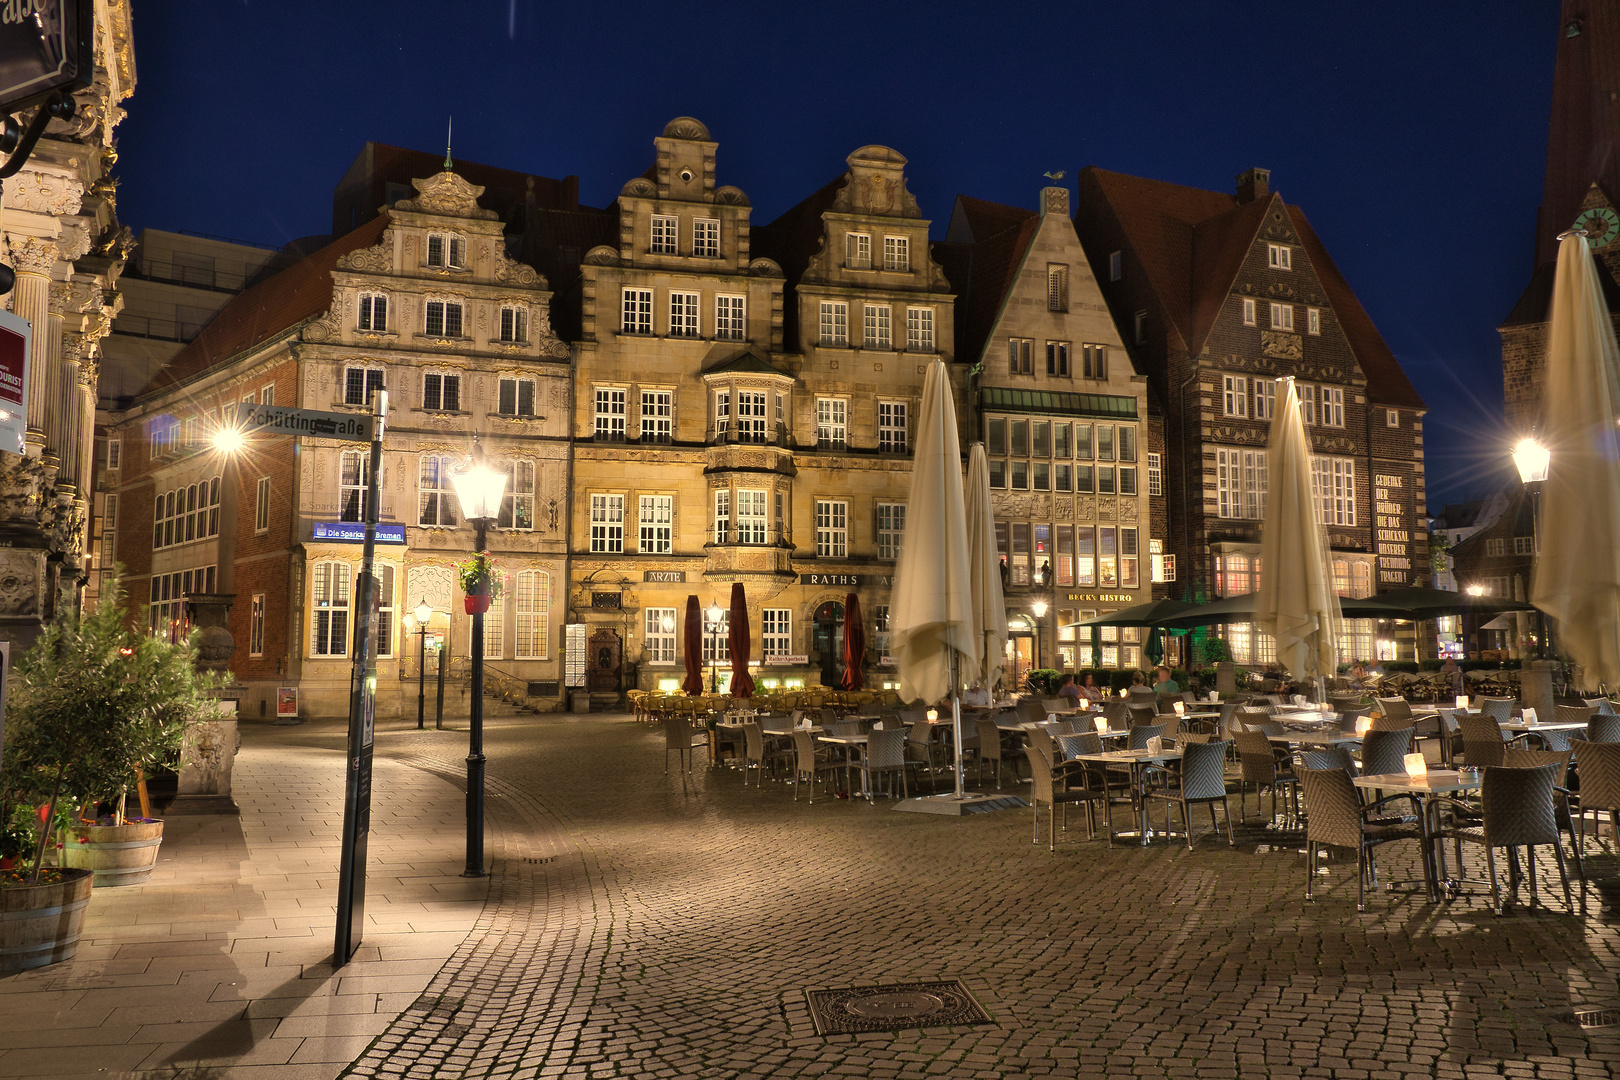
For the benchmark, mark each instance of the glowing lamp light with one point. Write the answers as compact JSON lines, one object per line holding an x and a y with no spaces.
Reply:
{"x":1102,"y":725}
{"x":1415,"y":765}
{"x":1363,"y":725}
{"x":1462,"y":701}
{"x":668,"y":624}
{"x":933,"y":714}
{"x":1039,"y":608}
{"x":1531,"y":459}
{"x":479,"y":489}
{"x":423,"y":613}
{"x":1475,"y":590}
{"x":229,"y":440}
{"x":1180,"y":707}
{"x":1123,"y":692}
{"x":715,"y":613}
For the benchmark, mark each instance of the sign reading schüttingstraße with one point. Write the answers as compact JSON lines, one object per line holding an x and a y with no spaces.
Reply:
{"x":276,"y":420}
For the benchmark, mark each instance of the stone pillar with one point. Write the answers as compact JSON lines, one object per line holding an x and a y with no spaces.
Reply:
{"x":206,"y":760}
{"x":1536,"y":688}
{"x":34,"y":258}
{"x":63,"y":429}
{"x":87,"y":428}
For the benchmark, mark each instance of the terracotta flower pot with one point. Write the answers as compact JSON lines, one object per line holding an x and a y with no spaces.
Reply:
{"x":476,"y":603}
{"x":40,"y":924}
{"x":118,"y":854}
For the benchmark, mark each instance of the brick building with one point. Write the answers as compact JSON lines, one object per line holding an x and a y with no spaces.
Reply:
{"x":1216,"y":296}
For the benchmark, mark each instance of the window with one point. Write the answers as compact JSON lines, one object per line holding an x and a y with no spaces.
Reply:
{"x":880,"y":629}
{"x":1094,"y":361}
{"x":1330,"y":405}
{"x":722,"y":515}
{"x":261,"y":505}
{"x":436,"y":502}
{"x":657,"y":415}
{"x":1163,"y":567}
{"x":1313,"y":320}
{"x":1248,"y":312}
{"x":1265,"y":398}
{"x":706,"y":238}
{"x":373,"y":313}
{"x":384,"y":645}
{"x":891,"y":527}
{"x":443,"y":319}
{"x":514,"y":324}
{"x":892,"y":430}
{"x":750,"y":517}
{"x":858,"y":251}
{"x":834,"y":323}
{"x":665,"y":235}
{"x":191,"y":437}
{"x":186,"y":514}
{"x":875,"y":327}
{"x":832,"y":529}
{"x":1057,"y":287}
{"x":115,"y":453}
{"x":1279,"y":257}
{"x":1334,"y":481}
{"x":655,"y":518}
{"x":1234,"y":395}
{"x":776,"y":632}
{"x":920,"y":329}
{"x":516,"y":397}
{"x":1522,"y":545}
{"x":1129,"y":560}
{"x":658,"y":637}
{"x":1240,"y":482}
{"x":1116,"y":265}
{"x":517,"y":503}
{"x":256,"y":626}
{"x":683,"y":314}
{"x":360,"y":383}
{"x":441,"y":392}
{"x":636,"y":317}
{"x":446,"y":250}
{"x":1057,"y":358}
{"x":1141,"y":327}
{"x":165,"y":434}
{"x":351,"y":485}
{"x":1282,"y":316}
{"x":1019,"y":351}
{"x":751,"y":416}
{"x":1307,"y":403}
{"x":896,"y":253}
{"x":267,"y":396}
{"x":1392,"y":418}
{"x":831,"y":428}
{"x":609,"y":417}
{"x":495,"y":629}
{"x":1495,"y":546}
{"x":1155,"y":476}
{"x":532,"y":595}
{"x":730,"y":318}
{"x":331,"y":583}
{"x":607,"y":523}
{"x":722,"y":415}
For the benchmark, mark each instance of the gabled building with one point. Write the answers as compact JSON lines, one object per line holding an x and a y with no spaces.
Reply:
{"x":1496,"y":560}
{"x":1216,"y":296}
{"x":1064,"y":419}
{"x":422,"y":301}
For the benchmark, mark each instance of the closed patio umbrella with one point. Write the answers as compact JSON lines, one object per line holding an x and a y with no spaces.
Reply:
{"x":854,"y":678}
{"x":692,"y":643}
{"x":1296,"y":601}
{"x":737,"y":637}
{"x":984,"y":568}
{"x":931,"y":605}
{"x":1577,"y":569}
{"x":1420,"y":602}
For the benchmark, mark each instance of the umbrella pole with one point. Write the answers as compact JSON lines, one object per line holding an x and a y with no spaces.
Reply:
{"x":956,"y":721}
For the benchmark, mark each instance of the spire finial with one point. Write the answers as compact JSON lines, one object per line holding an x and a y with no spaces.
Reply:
{"x":449,"y":127}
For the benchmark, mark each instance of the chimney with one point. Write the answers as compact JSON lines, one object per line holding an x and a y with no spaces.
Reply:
{"x":1252,"y":185}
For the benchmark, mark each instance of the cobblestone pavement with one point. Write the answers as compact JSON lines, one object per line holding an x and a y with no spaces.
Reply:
{"x":636,"y":929}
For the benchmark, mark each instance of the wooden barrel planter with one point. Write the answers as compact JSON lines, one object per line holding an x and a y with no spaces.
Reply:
{"x":119,"y":854}
{"x":40,"y":924}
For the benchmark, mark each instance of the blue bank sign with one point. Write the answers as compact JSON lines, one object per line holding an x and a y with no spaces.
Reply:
{"x":353,"y":532}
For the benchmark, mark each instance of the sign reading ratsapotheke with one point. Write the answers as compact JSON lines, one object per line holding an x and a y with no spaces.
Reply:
{"x":276,"y":420}
{"x":45,"y":46}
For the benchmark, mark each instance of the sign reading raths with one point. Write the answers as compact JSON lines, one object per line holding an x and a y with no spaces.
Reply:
{"x":850,"y":581}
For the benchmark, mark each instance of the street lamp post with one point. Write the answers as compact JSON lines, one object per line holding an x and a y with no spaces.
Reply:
{"x":423,"y":613}
{"x":479,"y":489}
{"x":1532,"y":459}
{"x":714,"y":613}
{"x":1039,"y":608}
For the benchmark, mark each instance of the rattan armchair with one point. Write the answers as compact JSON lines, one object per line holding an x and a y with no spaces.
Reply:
{"x":1260,"y":766}
{"x":1201,"y":777}
{"x":1599,"y":765}
{"x":682,"y":737}
{"x":1336,"y":816}
{"x":1060,"y":785}
{"x":1517,"y":810}
{"x":809,"y":761}
{"x":1603,"y":728}
{"x":1385,"y":751}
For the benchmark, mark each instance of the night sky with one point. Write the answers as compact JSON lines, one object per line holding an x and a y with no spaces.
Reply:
{"x":1414,"y":136}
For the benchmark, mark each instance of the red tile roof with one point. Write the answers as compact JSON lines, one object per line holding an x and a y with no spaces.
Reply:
{"x":1583,"y":137}
{"x":982,"y":274}
{"x":253,"y":316}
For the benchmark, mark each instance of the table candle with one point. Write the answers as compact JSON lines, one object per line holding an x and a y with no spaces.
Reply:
{"x":1416,"y":765}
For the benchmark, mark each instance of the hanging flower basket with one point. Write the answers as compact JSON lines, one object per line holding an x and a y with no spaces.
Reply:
{"x":475,"y":603}
{"x":482,"y":580}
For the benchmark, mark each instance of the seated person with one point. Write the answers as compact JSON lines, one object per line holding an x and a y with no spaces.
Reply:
{"x":1089,"y":688}
{"x":1165,"y":684}
{"x":1069,"y":692}
{"x":1452,"y":674}
{"x":976,"y":695}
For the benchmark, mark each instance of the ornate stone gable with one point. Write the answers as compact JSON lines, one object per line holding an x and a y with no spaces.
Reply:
{"x":377,"y":259}
{"x":447,"y":194}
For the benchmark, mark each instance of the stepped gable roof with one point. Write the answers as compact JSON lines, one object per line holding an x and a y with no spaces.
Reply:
{"x":296,"y":294}
{"x":1000,"y":238}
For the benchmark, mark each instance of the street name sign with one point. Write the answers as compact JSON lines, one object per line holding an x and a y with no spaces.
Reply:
{"x":45,"y":46}
{"x":276,"y":420}
{"x":16,"y":335}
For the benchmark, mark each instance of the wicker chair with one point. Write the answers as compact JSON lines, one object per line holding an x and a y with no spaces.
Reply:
{"x":1600,"y":784}
{"x":1143,"y":695}
{"x":991,"y":748}
{"x":1564,"y":714}
{"x":1500,"y":709}
{"x":1252,"y":719}
{"x":1056,"y":786}
{"x":885,"y":753}
{"x":1143,"y":714}
{"x":1386,"y":722}
{"x":808,"y":762}
{"x":1518,"y":811}
{"x":1395,"y":708}
{"x":1603,"y":728}
{"x":1385,"y":751}
{"x":1330,"y":757}
{"x":1517,"y":758}
{"x":1482,"y":739}
{"x":1141,"y":733}
{"x":1201,"y":778}
{"x":1260,"y":767}
{"x":1603,"y":705}
{"x":681,"y":737}
{"x":759,"y":754}
{"x":1031,"y":711}
{"x":1348,"y":718}
{"x":1118,"y":714}
{"x":1336,"y":815}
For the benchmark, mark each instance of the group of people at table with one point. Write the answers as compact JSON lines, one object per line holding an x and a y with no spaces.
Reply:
{"x":1360,"y":766}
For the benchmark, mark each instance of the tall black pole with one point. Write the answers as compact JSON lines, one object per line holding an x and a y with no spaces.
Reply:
{"x":475,"y":736}
{"x":421,"y":680}
{"x":444,"y":654}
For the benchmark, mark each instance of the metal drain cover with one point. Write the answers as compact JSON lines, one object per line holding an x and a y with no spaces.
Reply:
{"x":891,"y":1008}
{"x":1591,"y":1016}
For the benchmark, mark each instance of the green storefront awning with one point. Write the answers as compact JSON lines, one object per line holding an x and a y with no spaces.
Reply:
{"x":1056,"y":402}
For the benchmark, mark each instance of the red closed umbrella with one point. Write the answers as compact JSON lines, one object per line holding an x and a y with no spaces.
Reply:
{"x":854,"y":645}
{"x":742,"y":683}
{"x":692,"y":636}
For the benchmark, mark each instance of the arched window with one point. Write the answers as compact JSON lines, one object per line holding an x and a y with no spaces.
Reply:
{"x":532,"y":593}
{"x":331,"y":585}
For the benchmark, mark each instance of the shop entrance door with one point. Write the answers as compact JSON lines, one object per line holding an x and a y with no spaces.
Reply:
{"x":828,"y":642}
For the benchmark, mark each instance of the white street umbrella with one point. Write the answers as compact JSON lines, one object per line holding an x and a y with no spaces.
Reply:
{"x":989,"y":606}
{"x":931,"y":606}
{"x":1577,"y":570}
{"x":1296,"y":602}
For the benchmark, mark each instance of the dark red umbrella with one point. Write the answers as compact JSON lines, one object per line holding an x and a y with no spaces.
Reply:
{"x":742,"y":683}
{"x":692,"y":633}
{"x":854,"y":645}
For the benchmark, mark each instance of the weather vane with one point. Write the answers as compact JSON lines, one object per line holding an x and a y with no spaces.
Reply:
{"x":1060,"y":174}
{"x":449,"y":127}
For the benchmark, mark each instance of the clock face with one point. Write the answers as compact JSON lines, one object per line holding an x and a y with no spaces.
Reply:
{"x":1602,"y":226}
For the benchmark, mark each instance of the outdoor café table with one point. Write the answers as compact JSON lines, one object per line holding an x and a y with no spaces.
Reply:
{"x":850,"y":742}
{"x":1426,"y":787}
{"x":1519,"y":727}
{"x":1137,"y":761}
{"x":1328,"y":737}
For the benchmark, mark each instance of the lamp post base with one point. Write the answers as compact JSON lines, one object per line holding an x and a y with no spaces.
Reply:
{"x":475,"y":818}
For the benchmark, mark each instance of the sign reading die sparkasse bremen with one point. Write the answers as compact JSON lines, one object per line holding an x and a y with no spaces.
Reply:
{"x":276,"y":420}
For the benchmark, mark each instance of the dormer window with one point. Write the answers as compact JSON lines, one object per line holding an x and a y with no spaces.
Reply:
{"x":1279,"y":257}
{"x":446,"y":251}
{"x":373,"y":313}
{"x":665,"y":235}
{"x":513,"y":328}
{"x":858,"y":251}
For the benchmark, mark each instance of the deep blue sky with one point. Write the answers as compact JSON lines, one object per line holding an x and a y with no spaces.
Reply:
{"x":1414,"y":136}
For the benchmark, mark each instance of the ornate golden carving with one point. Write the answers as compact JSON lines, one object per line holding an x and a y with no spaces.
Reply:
{"x":1281,"y":344}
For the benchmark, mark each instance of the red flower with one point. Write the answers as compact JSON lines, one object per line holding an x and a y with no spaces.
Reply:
{"x":44,"y":813}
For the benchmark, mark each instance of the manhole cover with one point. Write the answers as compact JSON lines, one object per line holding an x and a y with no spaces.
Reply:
{"x":1588,"y":1016}
{"x":890,"y":1008}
